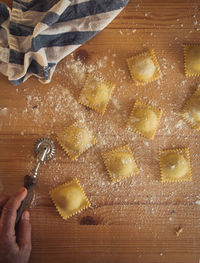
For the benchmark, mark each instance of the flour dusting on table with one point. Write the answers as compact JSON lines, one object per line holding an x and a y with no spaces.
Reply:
{"x":55,"y":107}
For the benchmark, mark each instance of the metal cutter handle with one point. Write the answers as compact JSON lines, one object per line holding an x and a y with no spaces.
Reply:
{"x":29,"y":182}
{"x":44,"y":149}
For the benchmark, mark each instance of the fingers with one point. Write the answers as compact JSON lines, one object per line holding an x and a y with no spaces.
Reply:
{"x":9,"y":212}
{"x":24,"y":233}
{"x":3,"y":200}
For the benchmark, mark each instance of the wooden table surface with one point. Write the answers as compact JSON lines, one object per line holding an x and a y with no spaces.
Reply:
{"x":135,"y":220}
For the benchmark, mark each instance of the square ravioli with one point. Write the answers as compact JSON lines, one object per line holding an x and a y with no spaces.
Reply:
{"x":175,"y":165}
{"x":144,"y":119}
{"x":191,"y":110}
{"x":96,"y":94}
{"x":119,"y":163}
{"x":192,"y":60}
{"x":76,"y":139}
{"x":69,"y":199}
{"x":144,"y":68}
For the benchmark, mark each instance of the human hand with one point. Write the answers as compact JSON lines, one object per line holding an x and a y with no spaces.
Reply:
{"x":14,"y":247}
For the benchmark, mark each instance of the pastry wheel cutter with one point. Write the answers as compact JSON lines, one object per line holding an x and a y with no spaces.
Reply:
{"x":44,"y":149}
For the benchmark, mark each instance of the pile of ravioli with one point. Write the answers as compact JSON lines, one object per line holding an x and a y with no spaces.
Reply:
{"x":144,"y":119}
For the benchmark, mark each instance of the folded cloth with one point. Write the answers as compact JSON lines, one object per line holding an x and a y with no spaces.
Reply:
{"x":36,"y":34}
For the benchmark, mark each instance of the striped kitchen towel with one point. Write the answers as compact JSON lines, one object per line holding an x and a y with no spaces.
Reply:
{"x":36,"y":34}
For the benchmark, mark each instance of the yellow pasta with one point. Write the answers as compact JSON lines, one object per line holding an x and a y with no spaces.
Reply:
{"x":144,"y":119}
{"x":191,"y":110}
{"x":69,"y":199}
{"x":144,"y":68}
{"x":96,"y":94}
{"x":175,"y":165}
{"x":76,"y":139}
{"x":119,"y":163}
{"x":192,"y":60}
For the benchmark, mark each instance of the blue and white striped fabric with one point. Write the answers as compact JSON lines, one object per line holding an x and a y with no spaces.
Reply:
{"x":36,"y":34}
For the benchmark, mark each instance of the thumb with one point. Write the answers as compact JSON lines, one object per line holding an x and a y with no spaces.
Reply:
{"x":24,"y":232}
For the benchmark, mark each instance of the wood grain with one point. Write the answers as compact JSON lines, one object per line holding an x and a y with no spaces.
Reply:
{"x":135,"y":220}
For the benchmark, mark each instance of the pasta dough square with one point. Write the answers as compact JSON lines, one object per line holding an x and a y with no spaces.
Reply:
{"x":144,"y":68}
{"x":191,"y":110}
{"x":144,"y":120}
{"x":175,"y":165}
{"x":96,"y":94}
{"x":119,"y":163}
{"x":69,"y":199}
{"x":192,"y":60}
{"x":76,"y":139}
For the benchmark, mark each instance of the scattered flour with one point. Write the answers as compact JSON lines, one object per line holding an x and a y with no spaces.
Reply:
{"x":59,"y":108}
{"x":180,"y":125}
{"x":197,"y":202}
{"x":3,"y":111}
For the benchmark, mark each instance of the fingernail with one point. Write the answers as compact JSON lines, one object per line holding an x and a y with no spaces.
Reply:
{"x":26,"y":215}
{"x":21,"y":190}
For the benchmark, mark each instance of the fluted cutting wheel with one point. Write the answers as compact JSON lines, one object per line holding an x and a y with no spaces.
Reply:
{"x":41,"y":145}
